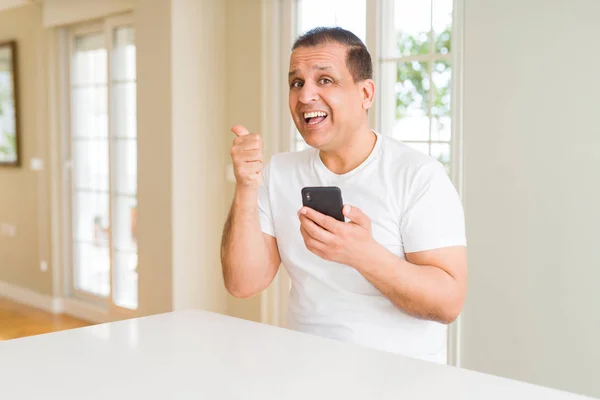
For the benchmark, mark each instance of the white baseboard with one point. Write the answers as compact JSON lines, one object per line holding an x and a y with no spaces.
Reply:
{"x":31,"y":298}
{"x":85,"y":311}
{"x":56,"y":305}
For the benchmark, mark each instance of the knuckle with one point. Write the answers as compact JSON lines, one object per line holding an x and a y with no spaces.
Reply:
{"x":334,"y":246}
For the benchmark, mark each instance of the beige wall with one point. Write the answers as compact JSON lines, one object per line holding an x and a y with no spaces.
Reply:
{"x":23,"y":193}
{"x":152,"y":19}
{"x":243,"y":99}
{"x":198,"y":109}
{"x":532,"y":168}
{"x":63,"y":12}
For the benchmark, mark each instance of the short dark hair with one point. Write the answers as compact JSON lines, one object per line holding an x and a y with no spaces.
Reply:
{"x":358,"y":58}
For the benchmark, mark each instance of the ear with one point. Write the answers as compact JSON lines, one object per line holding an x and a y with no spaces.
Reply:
{"x":367,"y":88}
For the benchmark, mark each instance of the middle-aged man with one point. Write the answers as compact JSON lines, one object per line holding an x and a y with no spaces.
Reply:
{"x":395,"y":273}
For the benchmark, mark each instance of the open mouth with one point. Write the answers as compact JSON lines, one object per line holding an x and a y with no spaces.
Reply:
{"x":314,"y":117}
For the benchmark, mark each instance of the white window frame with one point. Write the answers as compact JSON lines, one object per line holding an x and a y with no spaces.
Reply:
{"x":375,"y":27}
{"x":81,"y":303}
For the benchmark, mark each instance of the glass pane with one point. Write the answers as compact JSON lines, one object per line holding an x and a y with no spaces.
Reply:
{"x":123,"y":73}
{"x":422,"y":147}
{"x":348,"y":14}
{"x":89,"y":60}
{"x":411,"y":101}
{"x":90,"y":219}
{"x":92,"y":266}
{"x":90,"y":164}
{"x":410,"y":32}
{"x":301,"y":145}
{"x":442,"y":25}
{"x":89,"y":114}
{"x":123,"y":56}
{"x":125,"y":164}
{"x":441,"y":152}
{"x":124,"y":223}
{"x":125,"y":292}
{"x":124,"y":109}
{"x":440,"y":109}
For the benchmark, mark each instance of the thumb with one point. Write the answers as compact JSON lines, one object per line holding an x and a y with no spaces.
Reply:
{"x":358,"y":217}
{"x":239,"y":130}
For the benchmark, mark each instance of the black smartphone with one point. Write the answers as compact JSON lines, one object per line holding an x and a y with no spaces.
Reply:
{"x":324,"y":199}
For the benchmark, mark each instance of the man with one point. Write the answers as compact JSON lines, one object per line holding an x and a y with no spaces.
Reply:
{"x":396,"y":273}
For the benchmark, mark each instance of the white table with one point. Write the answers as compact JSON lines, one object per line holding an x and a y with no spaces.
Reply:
{"x":200,"y":355}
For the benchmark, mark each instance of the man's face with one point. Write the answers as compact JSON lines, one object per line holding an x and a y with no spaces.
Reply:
{"x":326,"y":104}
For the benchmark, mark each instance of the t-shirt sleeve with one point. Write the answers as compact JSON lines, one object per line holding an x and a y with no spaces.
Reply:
{"x":265,"y":213}
{"x":434,"y":216}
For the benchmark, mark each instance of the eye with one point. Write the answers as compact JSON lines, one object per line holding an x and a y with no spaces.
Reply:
{"x":325,"y":81}
{"x":296,"y":84}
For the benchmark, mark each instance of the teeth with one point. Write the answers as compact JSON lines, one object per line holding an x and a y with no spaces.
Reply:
{"x":314,"y":114}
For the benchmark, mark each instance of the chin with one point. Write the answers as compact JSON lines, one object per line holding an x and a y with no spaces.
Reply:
{"x":318,"y":140}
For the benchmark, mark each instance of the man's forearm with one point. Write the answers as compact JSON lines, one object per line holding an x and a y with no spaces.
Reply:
{"x":423,"y":291}
{"x":244,"y":254}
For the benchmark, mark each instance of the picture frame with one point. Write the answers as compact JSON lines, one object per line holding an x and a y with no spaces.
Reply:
{"x":9,"y":106}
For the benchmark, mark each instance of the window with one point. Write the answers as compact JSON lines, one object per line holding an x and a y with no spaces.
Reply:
{"x":415,"y":75}
{"x":349,"y":14}
{"x":412,"y":63}
{"x":103,"y":149}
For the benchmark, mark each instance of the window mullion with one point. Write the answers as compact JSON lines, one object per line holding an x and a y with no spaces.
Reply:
{"x":111,"y":152}
{"x":430,"y":72}
{"x":419,"y":57}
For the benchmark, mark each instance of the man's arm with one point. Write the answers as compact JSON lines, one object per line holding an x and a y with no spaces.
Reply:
{"x":429,"y":284}
{"x":249,"y":257}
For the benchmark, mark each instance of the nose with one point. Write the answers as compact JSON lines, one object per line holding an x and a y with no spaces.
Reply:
{"x":308,"y":93}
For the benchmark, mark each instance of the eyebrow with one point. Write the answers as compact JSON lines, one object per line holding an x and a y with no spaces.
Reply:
{"x":315,"y":67}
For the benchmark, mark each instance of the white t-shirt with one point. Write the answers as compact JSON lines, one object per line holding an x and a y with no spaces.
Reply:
{"x":413,"y":206}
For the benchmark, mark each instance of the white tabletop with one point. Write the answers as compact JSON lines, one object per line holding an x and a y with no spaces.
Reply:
{"x":200,"y":355}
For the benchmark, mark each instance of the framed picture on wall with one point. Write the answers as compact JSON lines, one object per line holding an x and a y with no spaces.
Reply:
{"x":9,"y":110}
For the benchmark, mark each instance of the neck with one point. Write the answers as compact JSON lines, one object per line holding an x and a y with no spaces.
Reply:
{"x":351,"y":154}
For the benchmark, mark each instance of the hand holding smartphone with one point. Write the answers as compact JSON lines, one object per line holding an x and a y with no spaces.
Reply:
{"x":324,"y":199}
